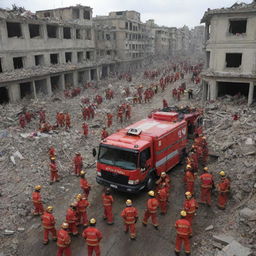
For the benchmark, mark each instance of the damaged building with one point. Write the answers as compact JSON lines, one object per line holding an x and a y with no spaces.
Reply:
{"x":230,"y":52}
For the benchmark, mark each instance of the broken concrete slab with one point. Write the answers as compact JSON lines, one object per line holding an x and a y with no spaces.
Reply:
{"x":247,"y":213}
{"x":8,"y":232}
{"x":209,"y":228}
{"x":223,"y":239}
{"x":236,"y":249}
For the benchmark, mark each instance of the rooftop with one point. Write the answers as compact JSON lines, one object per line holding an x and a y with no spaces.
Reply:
{"x":235,"y":8}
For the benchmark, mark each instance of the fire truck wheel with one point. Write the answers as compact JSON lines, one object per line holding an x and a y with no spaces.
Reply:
{"x":151,"y":182}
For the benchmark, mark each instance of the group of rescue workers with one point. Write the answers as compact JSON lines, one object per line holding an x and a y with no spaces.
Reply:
{"x":77,"y":212}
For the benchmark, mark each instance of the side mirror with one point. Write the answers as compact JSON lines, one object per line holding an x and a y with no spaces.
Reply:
{"x":94,"y":152}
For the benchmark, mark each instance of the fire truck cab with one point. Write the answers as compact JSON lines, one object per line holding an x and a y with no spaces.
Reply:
{"x":130,"y":159}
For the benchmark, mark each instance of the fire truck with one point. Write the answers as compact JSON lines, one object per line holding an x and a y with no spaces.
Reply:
{"x":132,"y":158}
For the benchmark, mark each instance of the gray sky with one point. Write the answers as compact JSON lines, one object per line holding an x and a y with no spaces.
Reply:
{"x":174,"y":13}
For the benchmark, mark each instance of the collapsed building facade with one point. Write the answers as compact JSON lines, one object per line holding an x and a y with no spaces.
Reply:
{"x":58,"y":49}
{"x":230,"y":52}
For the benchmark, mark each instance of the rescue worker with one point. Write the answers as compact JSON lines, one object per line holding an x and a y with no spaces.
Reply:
{"x":109,"y":119}
{"x":42,"y":117}
{"x":51,"y":152}
{"x":104,"y":133}
{"x":78,"y":163}
{"x":207,"y":184}
{"x":107,"y":204}
{"x":63,"y":241}
{"x":165,"y":104}
{"x":130,"y":217}
{"x":28,"y":116}
{"x":82,"y":204}
{"x":62,"y":119}
{"x":85,"y":129}
{"x":71,"y":219}
{"x":184,"y":231}
{"x":22,"y":121}
{"x":164,"y":178}
{"x":48,"y":222}
{"x":92,"y":237}
{"x":37,"y":201}
{"x":68,"y":121}
{"x":84,"y":184}
{"x":190,"y":205}
{"x":223,"y":188}
{"x":120,"y":114}
{"x":162,"y":198}
{"x":128,"y":112}
{"x":54,"y":171}
{"x":151,"y":211}
{"x":189,"y":179}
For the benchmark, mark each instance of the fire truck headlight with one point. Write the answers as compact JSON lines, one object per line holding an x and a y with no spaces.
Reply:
{"x":99,"y":173}
{"x":133,"y":182}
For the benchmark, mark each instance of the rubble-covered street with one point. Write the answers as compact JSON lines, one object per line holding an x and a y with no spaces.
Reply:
{"x":25,"y":163}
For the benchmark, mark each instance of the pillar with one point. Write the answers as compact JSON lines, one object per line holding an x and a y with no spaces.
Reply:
{"x":14,"y":92}
{"x":34,"y":89}
{"x":62,"y":82}
{"x":49,"y":86}
{"x":75,"y":79}
{"x":250,"y":94}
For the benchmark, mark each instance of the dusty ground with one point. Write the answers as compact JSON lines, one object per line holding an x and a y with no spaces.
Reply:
{"x":17,"y":182}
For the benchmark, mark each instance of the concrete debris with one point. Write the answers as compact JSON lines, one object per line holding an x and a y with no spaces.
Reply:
{"x":247,"y":213}
{"x":235,"y":249}
{"x":223,"y":239}
{"x":209,"y":228}
{"x":8,"y":232}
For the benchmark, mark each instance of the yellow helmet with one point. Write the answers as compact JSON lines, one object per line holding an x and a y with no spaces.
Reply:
{"x":151,"y":193}
{"x":49,"y":208}
{"x":128,"y":202}
{"x":53,"y":158}
{"x":38,"y":187}
{"x":92,"y":221}
{"x":64,"y":225}
{"x":204,"y":137}
{"x":183,"y":213}
{"x":78,"y":196}
{"x":163,"y":174}
{"x":188,"y":166}
{"x":82,"y":173}
{"x":222,"y":173}
{"x":206,"y":169}
{"x":188,"y":193}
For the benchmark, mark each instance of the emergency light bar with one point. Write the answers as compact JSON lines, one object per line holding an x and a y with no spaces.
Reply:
{"x":134,"y":131}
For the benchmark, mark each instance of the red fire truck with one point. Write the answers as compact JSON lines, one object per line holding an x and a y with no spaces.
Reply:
{"x":130,"y":159}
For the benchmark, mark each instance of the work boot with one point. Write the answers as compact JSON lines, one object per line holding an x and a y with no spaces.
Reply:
{"x":54,"y":239}
{"x":144,"y":224}
{"x":187,"y":253}
{"x":133,"y":238}
{"x":45,"y":242}
{"x":177,"y":253}
{"x":156,"y":227}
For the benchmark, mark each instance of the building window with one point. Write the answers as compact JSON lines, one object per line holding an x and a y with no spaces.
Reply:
{"x":67,"y":33}
{"x":88,"y":55}
{"x":108,"y":37}
{"x":54,"y":58}
{"x":68,"y":57}
{"x":237,"y":26}
{"x":34,"y":30}
{"x":108,"y":52}
{"x":126,"y":25}
{"x":76,"y":14}
{"x":18,"y":63}
{"x":87,"y":15}
{"x":47,"y":14}
{"x":208,"y":55}
{"x":80,"y":57}
{"x":14,"y":29}
{"x":39,"y":60}
{"x":52,"y":31}
{"x":119,"y":13}
{"x":78,"y":34}
{"x":88,"y":34}
{"x":233,"y":60}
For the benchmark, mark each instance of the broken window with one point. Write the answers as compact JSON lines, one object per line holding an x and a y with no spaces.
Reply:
{"x":88,"y":55}
{"x":119,"y":13}
{"x":80,"y":57}
{"x":14,"y":29}
{"x":208,"y":55}
{"x":54,"y":58}
{"x":231,"y":88}
{"x":47,"y":14}
{"x":25,"y":90}
{"x":76,"y":14}
{"x":78,"y":34}
{"x":233,"y":60}
{"x":39,"y":60}
{"x":18,"y":62}
{"x":1,"y":69}
{"x":34,"y":30}
{"x":67,"y":33}
{"x":87,"y":15}
{"x":108,"y":52}
{"x":52,"y":31}
{"x":130,"y":26}
{"x":68,"y":57}
{"x":237,"y":26}
{"x":4,"y":95}
{"x":126,"y":25}
{"x":108,"y":37}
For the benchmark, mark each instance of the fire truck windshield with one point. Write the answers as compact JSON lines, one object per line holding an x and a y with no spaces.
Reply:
{"x":119,"y":157}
